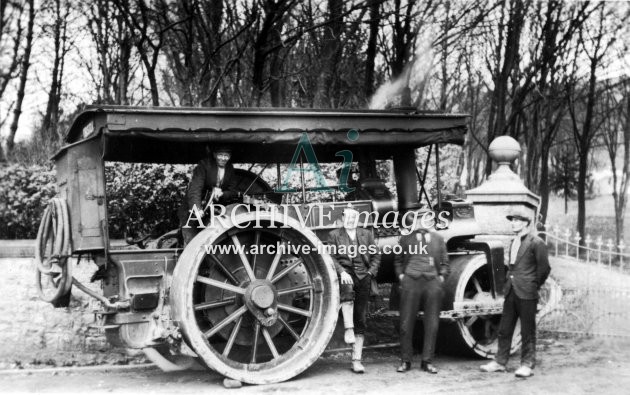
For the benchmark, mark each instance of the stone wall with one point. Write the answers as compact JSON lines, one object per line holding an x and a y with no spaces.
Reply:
{"x":32,"y":332}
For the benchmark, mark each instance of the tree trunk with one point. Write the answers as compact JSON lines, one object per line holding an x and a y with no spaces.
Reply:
{"x":275,"y":73}
{"x":581,"y":195}
{"x":153,"y":86}
{"x":51,"y":116}
{"x":330,"y":54}
{"x":23,"y":78}
{"x":370,"y":54}
{"x":621,"y":196}
{"x":510,"y":61}
{"x":123,"y":66}
{"x":544,"y":185}
{"x":261,"y":53}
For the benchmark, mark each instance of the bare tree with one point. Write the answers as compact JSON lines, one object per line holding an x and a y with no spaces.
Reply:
{"x":58,"y":12}
{"x":507,"y":56}
{"x":370,"y":54}
{"x":550,"y":56}
{"x":10,"y":40}
{"x":26,"y":63}
{"x":330,"y":54}
{"x":149,"y":26}
{"x":616,"y":127}
{"x":113,"y":44}
{"x":582,"y":99}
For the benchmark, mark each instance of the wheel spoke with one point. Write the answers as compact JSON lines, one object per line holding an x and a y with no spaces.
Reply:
{"x":224,"y":269}
{"x":236,"y":314}
{"x":219,"y":284}
{"x":477,"y":285}
{"x":288,"y":328}
{"x":294,"y":310}
{"x":244,"y":260}
{"x":255,"y":347}
{"x":471,"y":320}
{"x":230,"y":342}
{"x":269,"y":341}
{"x":256,"y":242}
{"x":274,"y":264}
{"x":487,"y":329}
{"x":286,"y":270}
{"x":215,"y":304}
{"x":299,"y":288}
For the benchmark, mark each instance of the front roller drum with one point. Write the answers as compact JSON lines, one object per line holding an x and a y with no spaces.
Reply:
{"x":260,"y":316}
{"x":469,"y":284}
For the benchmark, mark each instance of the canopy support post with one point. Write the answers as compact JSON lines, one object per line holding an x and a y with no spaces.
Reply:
{"x":303,"y":181}
{"x":424,"y":178}
{"x":437,"y":175}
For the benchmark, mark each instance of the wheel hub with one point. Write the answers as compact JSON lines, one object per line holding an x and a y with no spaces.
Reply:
{"x":261,"y":298}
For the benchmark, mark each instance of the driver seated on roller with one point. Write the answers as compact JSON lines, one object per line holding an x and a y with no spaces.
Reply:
{"x":213,"y":175}
{"x":356,"y":268}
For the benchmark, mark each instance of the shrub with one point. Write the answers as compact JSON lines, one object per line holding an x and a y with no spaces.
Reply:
{"x":24,"y":194}
{"x":141,"y":197}
{"x":144,"y":198}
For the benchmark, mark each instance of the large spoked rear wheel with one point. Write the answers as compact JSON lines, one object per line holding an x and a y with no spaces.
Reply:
{"x":259,"y":316}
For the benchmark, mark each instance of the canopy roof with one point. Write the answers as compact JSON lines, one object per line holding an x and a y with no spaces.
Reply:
{"x":261,"y":135}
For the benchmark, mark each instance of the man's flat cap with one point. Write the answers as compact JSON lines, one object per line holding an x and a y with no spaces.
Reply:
{"x":518,"y":215}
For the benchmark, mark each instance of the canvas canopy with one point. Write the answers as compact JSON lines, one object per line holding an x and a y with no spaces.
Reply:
{"x":261,"y":135}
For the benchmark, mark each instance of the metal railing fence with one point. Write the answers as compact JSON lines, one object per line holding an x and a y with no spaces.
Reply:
{"x":590,"y":286}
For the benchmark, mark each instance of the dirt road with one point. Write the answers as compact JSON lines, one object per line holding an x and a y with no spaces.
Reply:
{"x":565,"y":366}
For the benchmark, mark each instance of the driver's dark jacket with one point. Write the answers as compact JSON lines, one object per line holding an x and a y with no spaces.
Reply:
{"x":417,"y":265}
{"x":530,"y":269}
{"x":203,"y":179}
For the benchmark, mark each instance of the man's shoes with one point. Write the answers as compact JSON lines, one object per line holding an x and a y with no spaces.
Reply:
{"x":493,"y":366}
{"x":357,"y":367}
{"x":404,"y":367}
{"x":524,"y":371}
{"x":348,"y":336}
{"x":428,"y":367}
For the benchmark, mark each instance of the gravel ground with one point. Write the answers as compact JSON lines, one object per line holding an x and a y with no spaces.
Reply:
{"x":565,"y":366}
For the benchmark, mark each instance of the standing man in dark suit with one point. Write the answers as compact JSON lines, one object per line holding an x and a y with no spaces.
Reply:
{"x":356,"y":260}
{"x":528,"y":270}
{"x":214,"y":175}
{"x":421,"y":268}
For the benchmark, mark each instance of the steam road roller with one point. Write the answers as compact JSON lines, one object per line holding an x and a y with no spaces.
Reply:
{"x":255,"y":295}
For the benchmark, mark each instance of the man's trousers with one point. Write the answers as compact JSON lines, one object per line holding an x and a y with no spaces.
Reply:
{"x":415,"y":294}
{"x":359,"y":293}
{"x":513,"y":309}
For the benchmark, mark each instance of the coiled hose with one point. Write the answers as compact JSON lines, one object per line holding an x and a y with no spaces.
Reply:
{"x":52,"y":250}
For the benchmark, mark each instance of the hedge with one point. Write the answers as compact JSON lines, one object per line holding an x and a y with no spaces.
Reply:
{"x":141,"y":198}
{"x":24,"y":194}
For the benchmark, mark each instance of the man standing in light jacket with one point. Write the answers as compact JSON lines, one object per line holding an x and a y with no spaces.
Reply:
{"x":421,"y":272}
{"x":356,"y":260}
{"x":528,"y":270}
